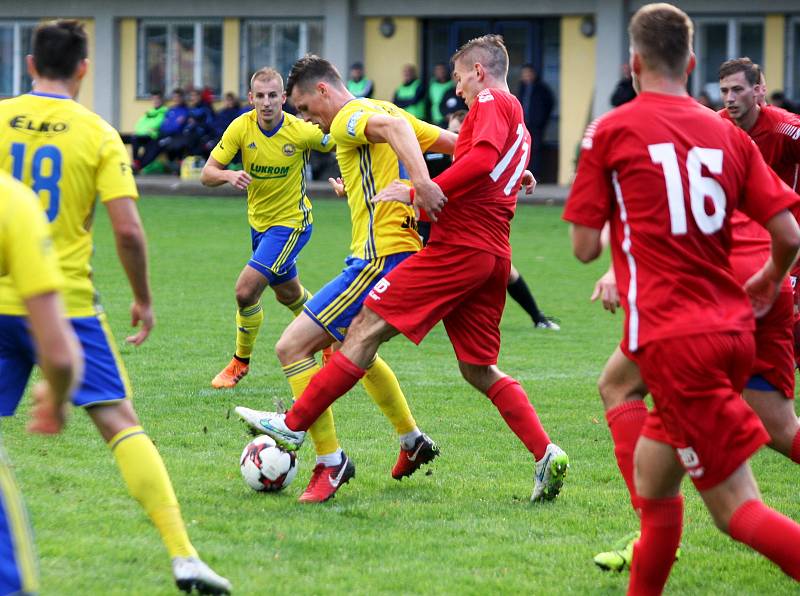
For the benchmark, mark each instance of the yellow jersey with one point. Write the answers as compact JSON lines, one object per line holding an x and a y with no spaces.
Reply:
{"x":386,"y":228}
{"x":276,"y":161}
{"x":69,"y":156}
{"x":27,"y":257}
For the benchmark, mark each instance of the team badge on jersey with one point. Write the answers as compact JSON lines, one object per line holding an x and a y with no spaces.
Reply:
{"x":289,"y":149}
{"x":485,"y":96}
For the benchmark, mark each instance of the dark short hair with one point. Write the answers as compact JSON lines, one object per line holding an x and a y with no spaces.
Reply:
{"x":751,"y":70}
{"x":489,"y":50}
{"x":58,"y":48}
{"x":158,"y":92}
{"x":311,"y":69}
{"x":357,"y":66}
{"x":662,"y":35}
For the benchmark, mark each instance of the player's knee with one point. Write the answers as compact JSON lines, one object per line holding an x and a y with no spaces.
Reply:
{"x":611,"y":391}
{"x":246,"y":296}
{"x":288,"y":294}
{"x":286,"y":350}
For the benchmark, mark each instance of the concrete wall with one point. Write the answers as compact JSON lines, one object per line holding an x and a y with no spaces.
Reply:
{"x":384,"y":57}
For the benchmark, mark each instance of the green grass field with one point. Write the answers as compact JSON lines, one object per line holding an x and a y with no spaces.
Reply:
{"x":464,"y":527}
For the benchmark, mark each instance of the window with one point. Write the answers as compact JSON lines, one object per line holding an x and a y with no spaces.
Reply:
{"x":792,"y":60}
{"x":277,"y":44}
{"x":15,"y":44}
{"x":179,"y":54}
{"x":718,"y":40}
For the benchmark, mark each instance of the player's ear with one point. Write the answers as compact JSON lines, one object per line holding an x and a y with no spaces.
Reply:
{"x":83,"y":68}
{"x":32,"y":72}
{"x":692,"y":63}
{"x":250,"y":97}
{"x":480,"y":73}
{"x":283,"y":98}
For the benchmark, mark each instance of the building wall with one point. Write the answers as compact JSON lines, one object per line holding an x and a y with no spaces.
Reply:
{"x":577,"y":92}
{"x":774,"y":51}
{"x":384,"y":57}
{"x":86,"y":95}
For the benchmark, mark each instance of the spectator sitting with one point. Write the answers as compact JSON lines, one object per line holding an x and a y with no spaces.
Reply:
{"x":537,"y":106}
{"x":779,"y":100}
{"x":440,"y":84}
{"x":171,"y":126}
{"x":624,"y":91}
{"x":231,"y":109}
{"x":147,"y":128}
{"x":196,"y":130}
{"x":411,"y":94}
{"x":358,"y":84}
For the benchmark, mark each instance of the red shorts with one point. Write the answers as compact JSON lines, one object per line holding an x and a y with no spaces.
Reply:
{"x":464,"y":287}
{"x":696,"y":383}
{"x":775,"y":346}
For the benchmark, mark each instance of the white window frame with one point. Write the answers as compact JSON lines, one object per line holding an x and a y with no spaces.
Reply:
{"x":302,"y":44}
{"x":792,"y":65}
{"x":17,"y":64}
{"x":170,"y":24}
{"x":734,"y":25}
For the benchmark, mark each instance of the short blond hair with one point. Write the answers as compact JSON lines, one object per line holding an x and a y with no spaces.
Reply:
{"x":489,"y":51}
{"x":266,"y":74}
{"x":662,"y":35}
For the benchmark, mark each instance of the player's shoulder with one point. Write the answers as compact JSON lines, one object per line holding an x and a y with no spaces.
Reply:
{"x":782,"y":121}
{"x":16,"y":197}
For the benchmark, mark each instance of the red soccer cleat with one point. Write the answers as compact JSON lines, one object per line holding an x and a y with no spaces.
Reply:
{"x":409,"y":461}
{"x":326,"y":480}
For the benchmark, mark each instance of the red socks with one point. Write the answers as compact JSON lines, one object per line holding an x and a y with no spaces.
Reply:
{"x":512,"y":402}
{"x":654,"y":552}
{"x":625,"y":423}
{"x":795,"y":454}
{"x":773,"y":535}
{"x":336,"y":378}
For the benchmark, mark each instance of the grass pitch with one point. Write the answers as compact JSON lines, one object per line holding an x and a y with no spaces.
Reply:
{"x":461,"y":526}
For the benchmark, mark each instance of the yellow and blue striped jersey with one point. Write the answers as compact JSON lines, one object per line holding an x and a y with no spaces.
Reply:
{"x":276,"y":161}
{"x":27,"y":256}
{"x":386,"y":228}
{"x":69,"y":156}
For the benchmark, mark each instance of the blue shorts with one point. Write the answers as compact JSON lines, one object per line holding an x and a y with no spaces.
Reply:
{"x":759,"y":383}
{"x":18,"y":569}
{"x":275,"y":252}
{"x":335,"y":306}
{"x":104,"y":377}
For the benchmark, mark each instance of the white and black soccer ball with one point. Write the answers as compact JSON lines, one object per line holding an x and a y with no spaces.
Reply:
{"x":267,"y":467}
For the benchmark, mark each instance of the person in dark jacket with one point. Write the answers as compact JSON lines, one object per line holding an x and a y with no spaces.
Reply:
{"x":172,"y":125}
{"x":624,"y":91}
{"x":537,"y":106}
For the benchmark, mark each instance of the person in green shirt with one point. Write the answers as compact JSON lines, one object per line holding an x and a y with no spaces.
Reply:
{"x":440,"y":84}
{"x":411,"y":94}
{"x":358,"y":84}
{"x":146,"y":129}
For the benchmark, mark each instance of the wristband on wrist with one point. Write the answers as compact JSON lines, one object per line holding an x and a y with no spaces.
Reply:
{"x":411,"y":194}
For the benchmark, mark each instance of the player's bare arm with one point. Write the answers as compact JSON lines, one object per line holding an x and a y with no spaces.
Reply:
{"x":58,"y":354}
{"x":132,"y":252}
{"x":215,"y":174}
{"x":764,"y":286}
{"x":445,"y":143}
{"x":400,"y":136}
{"x":586,"y":242}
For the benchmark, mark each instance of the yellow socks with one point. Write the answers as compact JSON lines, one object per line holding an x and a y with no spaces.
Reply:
{"x":323,"y":431}
{"x":148,"y":482}
{"x":297,"y":306}
{"x":382,"y":386}
{"x":248,"y":322}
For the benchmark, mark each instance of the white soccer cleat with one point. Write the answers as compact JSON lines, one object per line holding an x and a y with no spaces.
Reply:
{"x":192,"y":574}
{"x":549,"y":474}
{"x":272,"y":424}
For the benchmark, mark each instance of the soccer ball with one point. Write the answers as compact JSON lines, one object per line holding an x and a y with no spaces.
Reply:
{"x":267,"y":467}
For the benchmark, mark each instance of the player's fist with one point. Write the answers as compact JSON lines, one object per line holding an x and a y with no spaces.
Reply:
{"x":763,"y":288}
{"x":338,"y":187}
{"x":47,"y":415}
{"x":606,"y":290}
{"x":528,"y":182}
{"x":240,"y":179}
{"x":430,"y":198}
{"x":141,"y":313}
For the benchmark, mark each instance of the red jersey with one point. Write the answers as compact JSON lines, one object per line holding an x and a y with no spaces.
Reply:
{"x":777,"y":134}
{"x":668,"y":173}
{"x":479,"y":213}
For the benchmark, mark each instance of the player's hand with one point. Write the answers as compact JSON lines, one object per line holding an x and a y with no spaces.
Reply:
{"x":141,"y":313}
{"x":430,"y":198}
{"x":239,"y":180}
{"x":338,"y":187}
{"x":396,"y":191}
{"x":528,"y":182}
{"x":763,"y":288}
{"x":606,"y":290}
{"x":47,"y":415}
